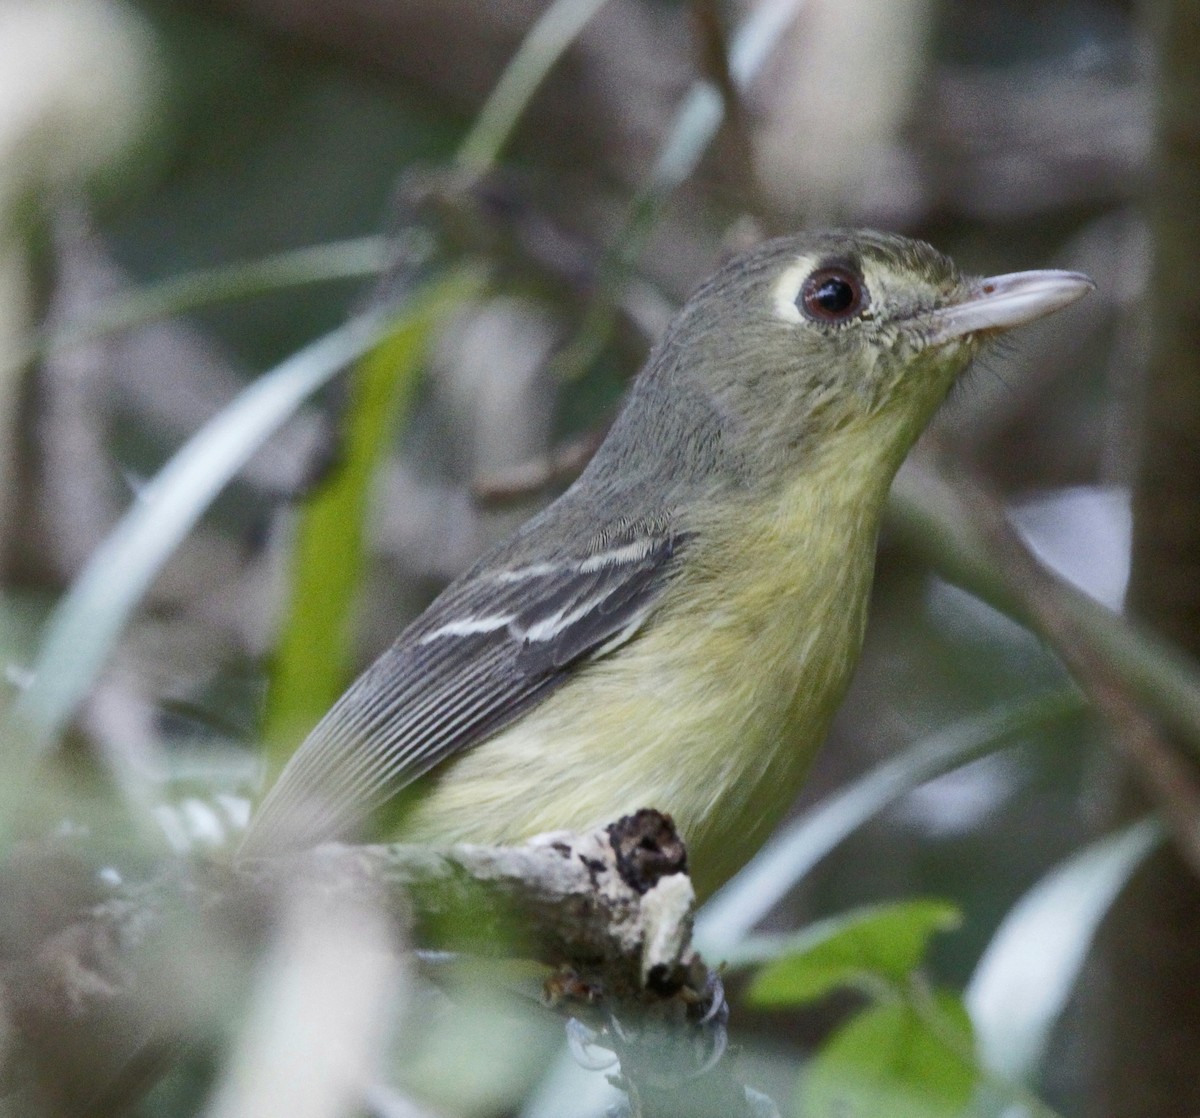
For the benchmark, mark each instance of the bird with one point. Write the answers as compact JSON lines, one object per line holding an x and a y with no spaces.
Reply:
{"x":677,"y":629}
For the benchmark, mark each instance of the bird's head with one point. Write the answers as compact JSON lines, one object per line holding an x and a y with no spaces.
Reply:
{"x":817,"y":340}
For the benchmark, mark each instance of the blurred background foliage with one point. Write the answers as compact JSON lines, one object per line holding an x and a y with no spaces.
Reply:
{"x":192,"y":193}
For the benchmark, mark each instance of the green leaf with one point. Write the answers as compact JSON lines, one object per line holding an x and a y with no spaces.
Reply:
{"x":893,"y":1061}
{"x":316,"y":647}
{"x":1032,"y":964}
{"x":883,"y":941}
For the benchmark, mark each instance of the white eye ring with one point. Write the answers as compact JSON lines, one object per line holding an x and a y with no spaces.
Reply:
{"x":787,"y":289}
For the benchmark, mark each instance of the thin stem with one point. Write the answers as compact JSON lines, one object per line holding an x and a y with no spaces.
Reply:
{"x":558,"y":26}
{"x":350,"y":259}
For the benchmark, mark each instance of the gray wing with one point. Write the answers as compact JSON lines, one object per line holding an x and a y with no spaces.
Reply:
{"x":491,"y":646}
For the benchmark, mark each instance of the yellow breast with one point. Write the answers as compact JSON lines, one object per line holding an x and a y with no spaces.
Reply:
{"x":713,"y":711}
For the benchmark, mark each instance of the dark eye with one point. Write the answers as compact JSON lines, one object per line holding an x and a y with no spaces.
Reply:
{"x":832,"y":295}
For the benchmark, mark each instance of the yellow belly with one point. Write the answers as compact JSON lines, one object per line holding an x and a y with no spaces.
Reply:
{"x":711,"y":713}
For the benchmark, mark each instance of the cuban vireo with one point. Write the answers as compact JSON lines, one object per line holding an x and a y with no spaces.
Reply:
{"x":677,"y":629}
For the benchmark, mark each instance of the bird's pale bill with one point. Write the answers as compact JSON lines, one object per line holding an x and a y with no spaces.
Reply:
{"x":1002,"y":302}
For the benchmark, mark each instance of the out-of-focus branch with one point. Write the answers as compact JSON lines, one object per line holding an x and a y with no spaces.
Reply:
{"x":713,"y":50}
{"x":1150,"y":960}
{"x":613,"y":904}
{"x":1165,"y":577}
{"x":1136,"y":681}
{"x":111,"y":992}
{"x":563,"y":464}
